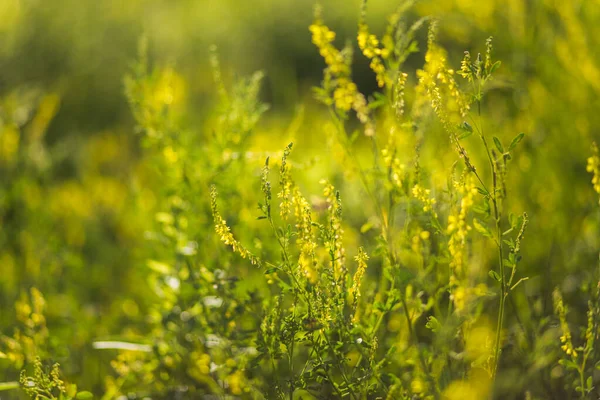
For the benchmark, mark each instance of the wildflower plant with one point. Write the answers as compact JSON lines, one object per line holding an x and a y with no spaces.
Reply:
{"x":48,"y":385}
{"x":579,"y":354}
{"x":325,"y":304}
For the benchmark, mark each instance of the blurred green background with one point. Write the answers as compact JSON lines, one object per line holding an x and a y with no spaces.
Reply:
{"x":72,"y":222}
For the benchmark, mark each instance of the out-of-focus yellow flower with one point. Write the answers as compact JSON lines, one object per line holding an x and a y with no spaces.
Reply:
{"x":344,"y":94}
{"x":593,"y":166}
{"x":224,"y":232}
{"x":169,"y":89}
{"x":338,"y":83}
{"x":361,"y":259}
{"x":369,"y":45}
{"x":565,"y":339}
{"x":306,"y":239}
{"x":423,"y":195}
{"x":417,"y":386}
{"x":457,"y":224}
{"x":9,"y":144}
{"x":10,"y":14}
{"x":476,"y":386}
{"x":236,"y":382}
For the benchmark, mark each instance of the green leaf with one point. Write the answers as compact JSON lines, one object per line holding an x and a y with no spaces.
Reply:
{"x":8,"y":386}
{"x":568,"y":364}
{"x":512,"y":218}
{"x":495,"y":66}
{"x":433,"y":324}
{"x":157,"y":266}
{"x":378,"y":101}
{"x":484,"y":230}
{"x":495,"y":276}
{"x":498,"y":145}
{"x":516,"y":141}
{"x":271,"y":270}
{"x":84,"y":395}
{"x":482,"y":191}
{"x":467,"y":130}
{"x":465,"y":135}
{"x":367,"y":226}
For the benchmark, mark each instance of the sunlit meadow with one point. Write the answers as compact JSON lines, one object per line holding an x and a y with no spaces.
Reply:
{"x":299,"y":200}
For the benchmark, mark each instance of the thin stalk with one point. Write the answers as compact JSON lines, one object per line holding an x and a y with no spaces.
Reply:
{"x":341,"y":368}
{"x":291,"y":352}
{"x":329,"y":377}
{"x":497,"y":217}
{"x":416,"y":344}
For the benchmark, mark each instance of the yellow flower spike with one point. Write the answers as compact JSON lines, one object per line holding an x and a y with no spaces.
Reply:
{"x":593,"y":166}
{"x":369,"y":45}
{"x":224,"y":232}
{"x":361,"y":259}
{"x":422,"y":195}
{"x":561,"y":311}
{"x":306,"y":240}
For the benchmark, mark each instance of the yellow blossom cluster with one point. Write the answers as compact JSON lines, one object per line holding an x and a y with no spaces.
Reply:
{"x":565,"y":339}
{"x":30,"y":339}
{"x":361,"y":259}
{"x":458,"y":227}
{"x":399,"y":94}
{"x":435,"y":70}
{"x":466,"y":70}
{"x":335,"y":224}
{"x":306,"y":240}
{"x":418,"y":240}
{"x":345,"y":94}
{"x":423,"y":195}
{"x":338,"y":67}
{"x":224,"y":232}
{"x":463,"y":295}
{"x":285,"y":183}
{"x":396,"y":170}
{"x":338,"y":83}
{"x":201,"y":362}
{"x":237,"y":383}
{"x":323,"y":38}
{"x":593,"y":166}
{"x":369,"y":45}
{"x":131,"y":363}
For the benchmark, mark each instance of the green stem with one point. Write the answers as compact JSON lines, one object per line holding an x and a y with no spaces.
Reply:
{"x":497,"y":217}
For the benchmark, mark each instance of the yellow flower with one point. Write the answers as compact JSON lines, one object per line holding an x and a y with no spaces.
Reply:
{"x":593,"y":166}
{"x":224,"y":232}
{"x":458,"y":228}
{"x":423,"y":195}
{"x":369,"y":45}
{"x":361,"y":258}
{"x":565,"y":339}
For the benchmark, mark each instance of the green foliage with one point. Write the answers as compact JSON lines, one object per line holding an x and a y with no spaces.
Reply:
{"x":48,"y":385}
